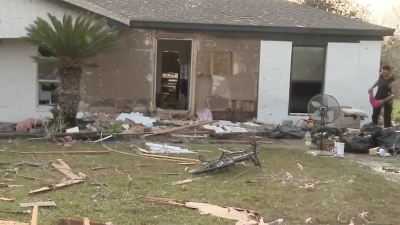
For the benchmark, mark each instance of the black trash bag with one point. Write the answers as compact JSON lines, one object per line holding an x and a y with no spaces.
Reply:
{"x":387,"y":138}
{"x":330,"y":128}
{"x":287,"y":132}
{"x":357,"y":144}
{"x":371,"y":128}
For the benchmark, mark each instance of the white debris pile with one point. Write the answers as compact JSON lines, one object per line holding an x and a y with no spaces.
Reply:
{"x":224,"y":126}
{"x":138,"y":118}
{"x":165,"y":149}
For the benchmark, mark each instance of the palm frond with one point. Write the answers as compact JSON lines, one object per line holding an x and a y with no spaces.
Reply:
{"x":46,"y":60}
{"x":77,"y":38}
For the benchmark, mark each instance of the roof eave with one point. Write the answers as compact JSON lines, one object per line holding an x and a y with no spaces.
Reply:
{"x":253,"y":28}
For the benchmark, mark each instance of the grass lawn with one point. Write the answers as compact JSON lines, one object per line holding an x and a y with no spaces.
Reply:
{"x":270,"y":191}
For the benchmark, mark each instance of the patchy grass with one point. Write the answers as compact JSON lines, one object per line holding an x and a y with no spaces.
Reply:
{"x":270,"y":192}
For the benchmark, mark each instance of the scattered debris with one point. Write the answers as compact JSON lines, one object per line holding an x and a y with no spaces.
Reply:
{"x":7,"y":222}
{"x":76,"y":222}
{"x":181,"y":182}
{"x":98,"y":168}
{"x":66,"y":171}
{"x":166,"y":149}
{"x":39,"y":204}
{"x":69,"y":152}
{"x":28,"y":124}
{"x":6,"y":199}
{"x":243,"y":216}
{"x":56,"y":186}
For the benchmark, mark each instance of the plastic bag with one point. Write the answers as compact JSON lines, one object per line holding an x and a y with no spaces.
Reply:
{"x":287,"y":132}
{"x":387,"y":138}
{"x":357,"y":144}
{"x":371,"y":128}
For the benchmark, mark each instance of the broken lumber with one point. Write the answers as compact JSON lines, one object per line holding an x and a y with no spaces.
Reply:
{"x":6,"y":199}
{"x":57,"y":186}
{"x":170,"y":157}
{"x":63,"y":163}
{"x":75,"y":222}
{"x":39,"y":204}
{"x":180,"y":128}
{"x":86,"y":221}
{"x":66,"y":172}
{"x":6,"y":222}
{"x":239,"y":142}
{"x":70,"y":152}
{"x":35,"y":213}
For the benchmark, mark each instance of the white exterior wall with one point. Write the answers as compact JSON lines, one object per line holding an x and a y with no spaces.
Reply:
{"x":18,"y":73}
{"x":18,"y":86}
{"x":16,"y":15}
{"x":351,"y":69}
{"x":274,"y":80}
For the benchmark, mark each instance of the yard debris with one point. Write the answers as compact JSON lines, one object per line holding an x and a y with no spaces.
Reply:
{"x":180,"y":128}
{"x":6,"y":199}
{"x":243,"y":216}
{"x":170,"y":157}
{"x":56,"y":186}
{"x":76,"y":222}
{"x":67,"y":172}
{"x":166,"y":149}
{"x":98,"y":168}
{"x":28,"y":124}
{"x":181,"y":182}
{"x":39,"y":204}
{"x":69,"y":152}
{"x":35,"y":164}
{"x":7,"y":222}
{"x":35,"y":212}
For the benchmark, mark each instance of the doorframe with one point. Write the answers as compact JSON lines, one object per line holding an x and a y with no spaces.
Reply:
{"x":192,"y":91}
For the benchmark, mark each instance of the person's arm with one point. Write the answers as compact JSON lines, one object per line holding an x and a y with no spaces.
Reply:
{"x":375,"y":84}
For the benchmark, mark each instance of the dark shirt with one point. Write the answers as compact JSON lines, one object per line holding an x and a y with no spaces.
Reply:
{"x":383,"y":87}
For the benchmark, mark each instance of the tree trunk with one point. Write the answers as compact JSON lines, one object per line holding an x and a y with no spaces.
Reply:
{"x":70,"y":93}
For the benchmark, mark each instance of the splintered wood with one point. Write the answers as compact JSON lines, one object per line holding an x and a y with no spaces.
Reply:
{"x":4,"y":222}
{"x":64,"y":168}
{"x":6,"y":199}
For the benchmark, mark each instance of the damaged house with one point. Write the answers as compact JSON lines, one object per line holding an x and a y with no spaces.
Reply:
{"x":239,"y":58}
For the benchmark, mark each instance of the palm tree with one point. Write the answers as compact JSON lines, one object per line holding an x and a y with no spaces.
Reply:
{"x":74,"y":43}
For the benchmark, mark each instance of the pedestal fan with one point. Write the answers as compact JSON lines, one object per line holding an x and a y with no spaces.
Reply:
{"x":324,"y":108}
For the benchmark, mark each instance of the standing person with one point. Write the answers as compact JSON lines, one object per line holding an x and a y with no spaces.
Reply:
{"x":385,"y":84}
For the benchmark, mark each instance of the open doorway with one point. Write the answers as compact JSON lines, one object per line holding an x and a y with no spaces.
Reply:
{"x":173,"y":74}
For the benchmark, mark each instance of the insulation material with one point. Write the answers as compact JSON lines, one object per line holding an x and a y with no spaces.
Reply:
{"x":158,"y":148}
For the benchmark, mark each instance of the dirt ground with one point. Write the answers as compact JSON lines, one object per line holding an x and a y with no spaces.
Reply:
{"x":343,"y":189}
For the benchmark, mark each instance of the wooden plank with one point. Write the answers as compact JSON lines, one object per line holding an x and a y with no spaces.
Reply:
{"x":35,"y":212}
{"x":66,"y":172}
{"x":63,"y":163}
{"x":69,"y":152}
{"x":75,"y":222}
{"x":180,"y":128}
{"x":6,"y":199}
{"x":170,"y":157}
{"x":86,"y":221}
{"x":40,"y":204}
{"x":57,"y":186}
{"x":5,"y":222}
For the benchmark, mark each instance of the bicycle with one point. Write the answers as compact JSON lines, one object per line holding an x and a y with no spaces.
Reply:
{"x":227,"y":160}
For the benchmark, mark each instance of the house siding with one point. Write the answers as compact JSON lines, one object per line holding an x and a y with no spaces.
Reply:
{"x":18,"y":86}
{"x":351,"y":69}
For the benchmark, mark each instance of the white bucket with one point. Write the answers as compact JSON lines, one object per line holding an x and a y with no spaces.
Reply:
{"x":339,"y":149}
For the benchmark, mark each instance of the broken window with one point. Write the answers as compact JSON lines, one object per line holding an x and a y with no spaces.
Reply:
{"x":307,"y":76}
{"x":48,"y":81}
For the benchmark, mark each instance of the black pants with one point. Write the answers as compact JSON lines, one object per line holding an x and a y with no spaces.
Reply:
{"x":387,"y":114}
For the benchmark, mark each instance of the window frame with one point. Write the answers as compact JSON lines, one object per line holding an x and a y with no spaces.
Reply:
{"x":324,"y":46}
{"x":39,"y":106}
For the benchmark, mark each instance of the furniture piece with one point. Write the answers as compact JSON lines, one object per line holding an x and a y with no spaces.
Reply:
{"x":347,"y":121}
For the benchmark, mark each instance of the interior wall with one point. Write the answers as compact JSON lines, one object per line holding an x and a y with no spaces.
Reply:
{"x":184,"y":48}
{"x":227,"y":76}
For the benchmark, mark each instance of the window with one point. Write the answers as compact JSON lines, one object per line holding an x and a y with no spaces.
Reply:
{"x":307,"y":77}
{"x":48,"y":81}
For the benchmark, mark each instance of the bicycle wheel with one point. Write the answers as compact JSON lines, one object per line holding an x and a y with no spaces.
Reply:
{"x":213,"y":166}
